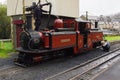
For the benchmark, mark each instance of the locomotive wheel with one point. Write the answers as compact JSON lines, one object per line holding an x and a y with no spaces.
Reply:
{"x":24,"y":59}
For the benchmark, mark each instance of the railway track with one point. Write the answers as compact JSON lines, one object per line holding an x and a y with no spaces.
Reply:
{"x":78,"y":72}
{"x":10,"y":70}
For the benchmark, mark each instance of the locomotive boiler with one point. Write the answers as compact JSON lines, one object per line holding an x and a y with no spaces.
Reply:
{"x":60,"y":36}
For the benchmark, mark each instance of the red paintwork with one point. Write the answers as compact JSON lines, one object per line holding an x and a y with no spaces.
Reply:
{"x":69,"y":23}
{"x":81,"y":47}
{"x":89,"y":42}
{"x":60,"y":40}
{"x":58,"y":23}
{"x":37,"y":58}
{"x":17,"y":22}
{"x":18,"y":32}
{"x":46,"y":42}
{"x":96,"y":36}
{"x":19,"y":29}
{"x":63,"y":40}
{"x":80,"y":41}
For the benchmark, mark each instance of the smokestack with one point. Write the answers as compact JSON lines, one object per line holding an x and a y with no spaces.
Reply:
{"x":96,"y":24}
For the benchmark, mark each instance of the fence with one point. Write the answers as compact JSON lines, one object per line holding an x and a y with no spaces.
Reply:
{"x":2,"y":42}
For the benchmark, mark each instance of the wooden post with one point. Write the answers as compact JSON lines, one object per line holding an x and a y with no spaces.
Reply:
{"x":2,"y":45}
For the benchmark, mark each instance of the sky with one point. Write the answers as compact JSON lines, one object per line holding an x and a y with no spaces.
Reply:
{"x":100,"y":7}
{"x":97,"y":7}
{"x":2,"y":1}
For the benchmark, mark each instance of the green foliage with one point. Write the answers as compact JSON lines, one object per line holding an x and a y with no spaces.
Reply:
{"x":5,"y":28}
{"x":5,"y":51}
{"x":112,"y":38}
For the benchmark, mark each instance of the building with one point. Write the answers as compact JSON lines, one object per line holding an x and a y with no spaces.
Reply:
{"x":59,"y":7}
{"x":67,"y":8}
{"x":90,"y":18}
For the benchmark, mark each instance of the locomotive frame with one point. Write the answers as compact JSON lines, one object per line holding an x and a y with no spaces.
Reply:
{"x":67,"y":36}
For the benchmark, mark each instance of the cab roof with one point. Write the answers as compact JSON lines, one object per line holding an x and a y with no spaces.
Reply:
{"x":81,"y":20}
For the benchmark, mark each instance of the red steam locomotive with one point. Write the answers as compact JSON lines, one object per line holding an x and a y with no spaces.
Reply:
{"x":61,"y":36}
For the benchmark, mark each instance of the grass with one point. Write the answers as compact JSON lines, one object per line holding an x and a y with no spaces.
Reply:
{"x":112,"y":38}
{"x":5,"y":49}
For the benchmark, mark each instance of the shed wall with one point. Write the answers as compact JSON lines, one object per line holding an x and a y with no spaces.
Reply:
{"x":69,"y":8}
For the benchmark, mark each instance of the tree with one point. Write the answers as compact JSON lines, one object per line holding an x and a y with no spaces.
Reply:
{"x":101,"y":18}
{"x":5,"y":28}
{"x":108,"y":19}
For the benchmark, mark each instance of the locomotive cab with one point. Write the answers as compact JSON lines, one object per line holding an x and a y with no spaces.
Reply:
{"x":84,"y":28}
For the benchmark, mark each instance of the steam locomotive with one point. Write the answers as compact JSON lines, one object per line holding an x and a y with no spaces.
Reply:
{"x":62,"y":36}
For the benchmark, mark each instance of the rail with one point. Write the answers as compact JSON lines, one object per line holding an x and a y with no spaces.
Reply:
{"x":75,"y":72}
{"x":9,"y":70}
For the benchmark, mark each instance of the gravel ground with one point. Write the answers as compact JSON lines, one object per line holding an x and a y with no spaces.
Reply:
{"x":8,"y":61}
{"x":49,"y":68}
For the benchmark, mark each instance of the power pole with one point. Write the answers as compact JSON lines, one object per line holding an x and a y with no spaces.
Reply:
{"x":86,"y":15}
{"x":24,"y":17}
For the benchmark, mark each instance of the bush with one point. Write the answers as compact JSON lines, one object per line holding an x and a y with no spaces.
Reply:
{"x":5,"y":28}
